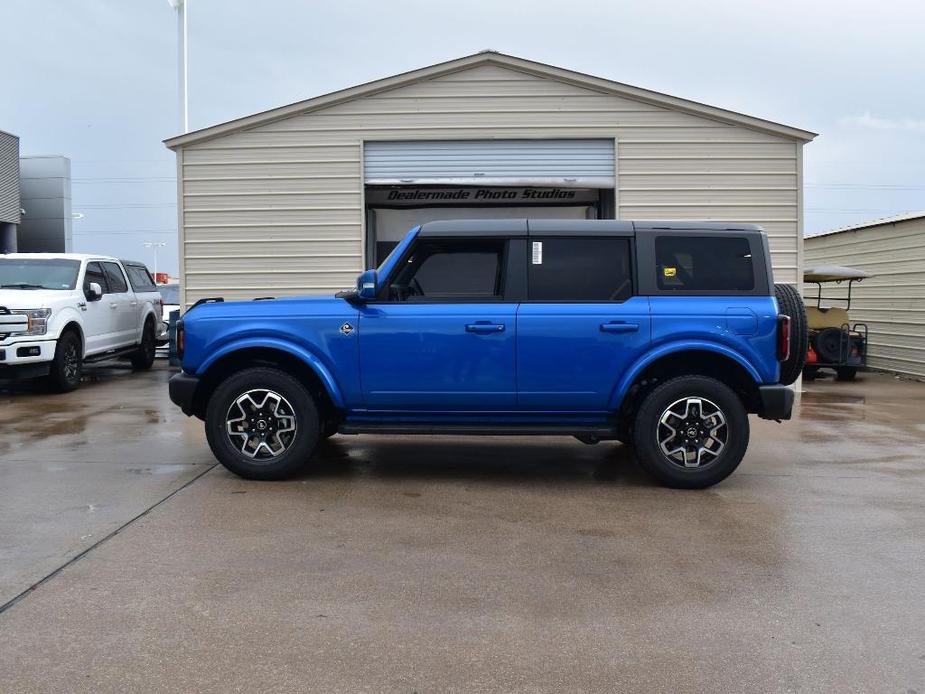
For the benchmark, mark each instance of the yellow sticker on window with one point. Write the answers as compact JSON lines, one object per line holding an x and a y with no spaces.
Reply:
{"x":670,"y":271}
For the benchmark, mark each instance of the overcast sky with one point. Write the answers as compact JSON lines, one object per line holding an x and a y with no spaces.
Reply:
{"x":95,"y":80}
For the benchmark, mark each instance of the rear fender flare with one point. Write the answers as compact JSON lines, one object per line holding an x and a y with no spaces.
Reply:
{"x":665,"y":350}
{"x":323,"y":373}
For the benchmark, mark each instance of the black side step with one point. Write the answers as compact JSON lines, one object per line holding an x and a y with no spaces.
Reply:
{"x":112,"y":354}
{"x":482,"y":429}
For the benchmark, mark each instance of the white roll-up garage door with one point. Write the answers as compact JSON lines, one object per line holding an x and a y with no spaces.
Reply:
{"x":572,"y":163}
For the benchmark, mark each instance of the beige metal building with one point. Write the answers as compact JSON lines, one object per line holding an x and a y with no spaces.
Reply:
{"x":301,"y":198}
{"x":892,"y":301}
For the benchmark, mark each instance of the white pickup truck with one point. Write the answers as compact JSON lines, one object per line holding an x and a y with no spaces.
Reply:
{"x":58,"y":311}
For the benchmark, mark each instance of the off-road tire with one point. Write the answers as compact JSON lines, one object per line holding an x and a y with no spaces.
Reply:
{"x":646,"y":431}
{"x":296,"y":454}
{"x":846,"y":373}
{"x":143,"y":358}
{"x":790,"y":303}
{"x":67,"y":366}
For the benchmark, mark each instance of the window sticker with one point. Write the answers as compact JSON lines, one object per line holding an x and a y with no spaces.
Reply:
{"x":537,"y":252}
{"x":670,"y":271}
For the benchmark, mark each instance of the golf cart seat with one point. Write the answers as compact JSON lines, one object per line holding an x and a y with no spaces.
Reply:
{"x":821,"y":318}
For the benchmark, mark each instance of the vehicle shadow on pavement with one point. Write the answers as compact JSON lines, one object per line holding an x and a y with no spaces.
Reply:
{"x":555,"y":460}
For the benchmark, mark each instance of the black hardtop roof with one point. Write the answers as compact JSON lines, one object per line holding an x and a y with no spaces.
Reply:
{"x":547,"y":227}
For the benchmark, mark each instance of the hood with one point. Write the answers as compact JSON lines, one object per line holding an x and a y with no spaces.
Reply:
{"x":14,"y":299}
{"x":284,"y":306}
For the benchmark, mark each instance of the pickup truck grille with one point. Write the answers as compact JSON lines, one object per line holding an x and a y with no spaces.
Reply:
{"x":10,"y":323}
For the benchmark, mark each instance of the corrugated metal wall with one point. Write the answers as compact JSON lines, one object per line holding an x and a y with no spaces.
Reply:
{"x":278,"y":209}
{"x":892,"y":302}
{"x":9,"y":178}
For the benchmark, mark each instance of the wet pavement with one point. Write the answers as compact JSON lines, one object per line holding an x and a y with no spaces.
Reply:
{"x":439,"y":564}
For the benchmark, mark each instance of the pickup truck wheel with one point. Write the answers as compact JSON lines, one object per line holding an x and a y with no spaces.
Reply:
{"x":691,"y":432}
{"x":67,"y":366}
{"x":262,"y":424}
{"x":143,"y":358}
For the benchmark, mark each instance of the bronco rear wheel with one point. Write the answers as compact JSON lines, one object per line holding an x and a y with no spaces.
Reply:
{"x":691,"y":432}
{"x":262,"y":424}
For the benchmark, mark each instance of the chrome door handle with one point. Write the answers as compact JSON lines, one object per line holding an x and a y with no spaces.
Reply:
{"x":134,"y":303}
{"x":619,"y":327}
{"x":113,"y":304}
{"x":485,"y":327}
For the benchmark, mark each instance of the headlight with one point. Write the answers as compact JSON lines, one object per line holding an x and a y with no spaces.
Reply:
{"x":38,"y":320}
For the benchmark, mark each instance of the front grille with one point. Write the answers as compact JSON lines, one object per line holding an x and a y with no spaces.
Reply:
{"x":4,"y":311}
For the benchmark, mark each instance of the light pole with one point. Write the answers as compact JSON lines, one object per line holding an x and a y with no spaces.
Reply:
{"x":182,"y":55}
{"x":155,"y":245}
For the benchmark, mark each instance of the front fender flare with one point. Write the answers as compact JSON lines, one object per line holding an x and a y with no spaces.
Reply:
{"x":68,"y":316}
{"x":673,"y":348}
{"x":323,"y":373}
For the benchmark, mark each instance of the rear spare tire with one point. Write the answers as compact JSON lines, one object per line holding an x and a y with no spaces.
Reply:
{"x":790,"y":303}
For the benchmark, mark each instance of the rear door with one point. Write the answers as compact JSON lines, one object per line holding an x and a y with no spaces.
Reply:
{"x":442,"y":337}
{"x":582,"y":325}
{"x":122,"y":304}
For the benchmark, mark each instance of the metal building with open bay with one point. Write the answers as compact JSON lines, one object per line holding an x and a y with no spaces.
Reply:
{"x":302,"y":198}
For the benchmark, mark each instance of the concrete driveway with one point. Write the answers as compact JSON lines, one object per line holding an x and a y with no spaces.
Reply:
{"x":438,"y":564}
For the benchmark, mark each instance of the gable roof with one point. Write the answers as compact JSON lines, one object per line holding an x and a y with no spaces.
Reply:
{"x":499,"y":59}
{"x":873,"y":223}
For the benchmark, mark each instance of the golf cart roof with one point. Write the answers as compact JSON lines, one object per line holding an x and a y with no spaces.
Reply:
{"x":833,"y":273}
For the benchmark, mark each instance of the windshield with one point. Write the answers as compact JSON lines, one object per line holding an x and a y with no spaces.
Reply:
{"x":34,"y":273}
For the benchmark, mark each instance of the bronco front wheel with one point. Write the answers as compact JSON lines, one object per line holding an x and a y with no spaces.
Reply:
{"x":262,"y":424}
{"x":691,"y":432}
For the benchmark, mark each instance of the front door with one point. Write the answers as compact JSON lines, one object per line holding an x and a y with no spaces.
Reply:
{"x":98,"y":323}
{"x":581,"y":327}
{"x":441,"y":338}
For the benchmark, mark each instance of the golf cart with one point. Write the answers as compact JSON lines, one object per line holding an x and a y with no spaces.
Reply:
{"x":834,"y":342}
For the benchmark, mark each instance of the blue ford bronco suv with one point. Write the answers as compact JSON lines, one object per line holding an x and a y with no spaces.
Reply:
{"x":664,"y":336}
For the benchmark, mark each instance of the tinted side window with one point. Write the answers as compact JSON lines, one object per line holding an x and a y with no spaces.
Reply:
{"x":450,"y":270}
{"x":140,"y":278}
{"x":704,"y":263}
{"x":577,"y":269}
{"x":116,"y":279}
{"x":95,"y":274}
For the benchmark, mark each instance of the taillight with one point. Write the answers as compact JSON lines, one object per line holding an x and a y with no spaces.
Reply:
{"x":783,"y":338}
{"x":181,"y":339}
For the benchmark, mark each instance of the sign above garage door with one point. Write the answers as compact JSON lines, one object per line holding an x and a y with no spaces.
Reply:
{"x":560,"y":163}
{"x":432,"y":196}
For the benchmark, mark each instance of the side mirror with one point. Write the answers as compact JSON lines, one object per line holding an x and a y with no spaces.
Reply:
{"x":94,"y":292}
{"x":368,"y":285}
